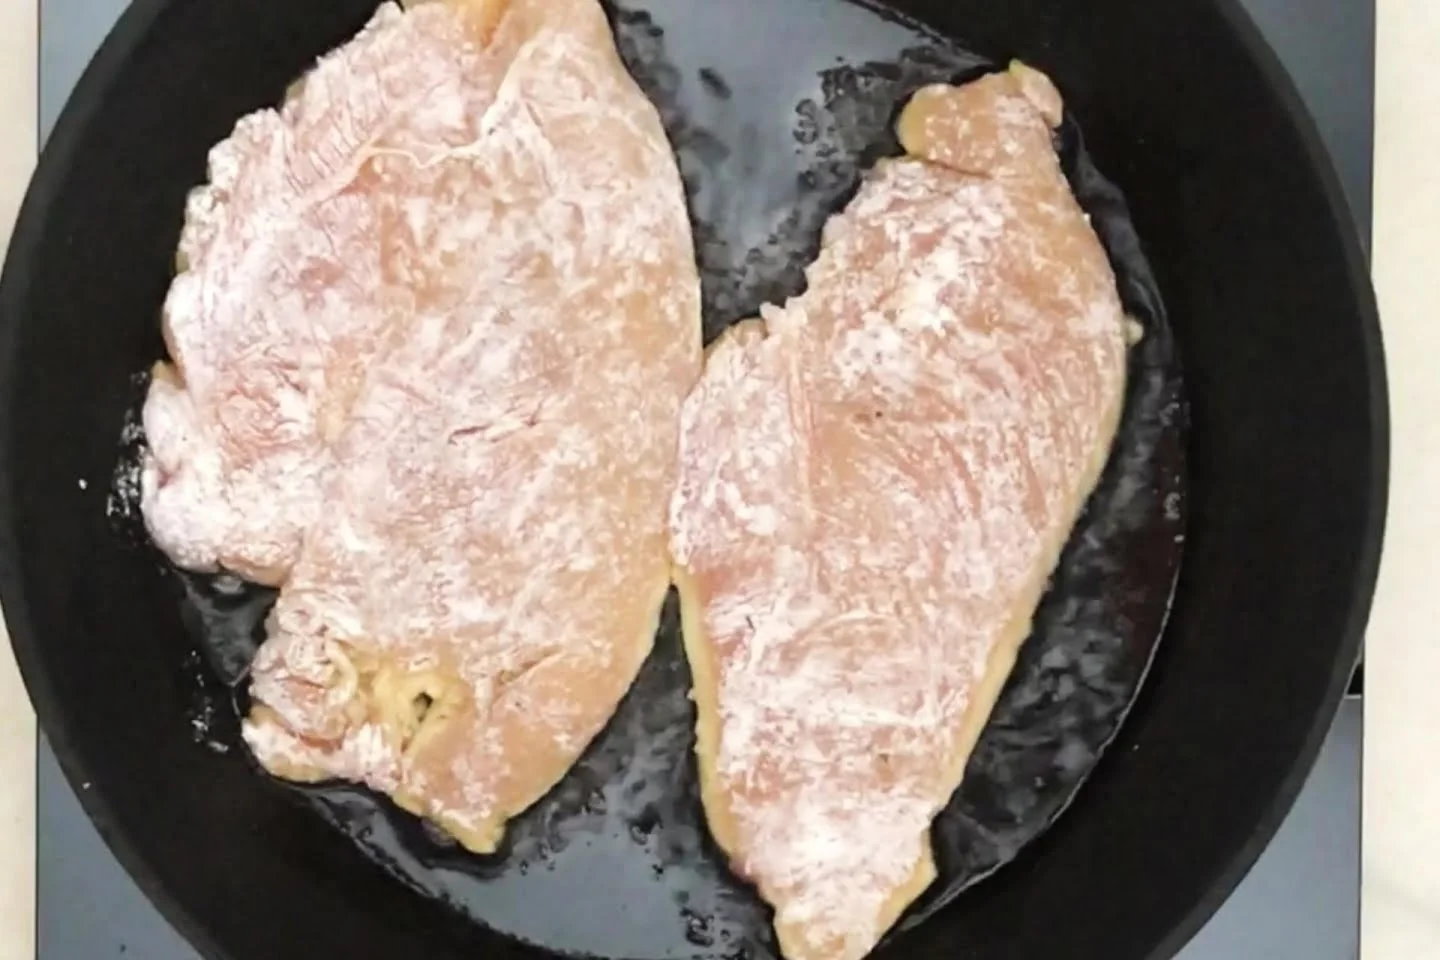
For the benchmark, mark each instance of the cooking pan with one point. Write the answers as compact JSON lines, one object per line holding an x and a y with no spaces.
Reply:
{"x":1184,"y":669}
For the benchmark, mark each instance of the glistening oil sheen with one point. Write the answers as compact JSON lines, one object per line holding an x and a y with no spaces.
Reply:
{"x":776,"y":108}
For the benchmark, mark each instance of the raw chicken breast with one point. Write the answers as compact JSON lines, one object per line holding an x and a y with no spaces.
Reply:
{"x":437,"y":318}
{"x":876,"y":481}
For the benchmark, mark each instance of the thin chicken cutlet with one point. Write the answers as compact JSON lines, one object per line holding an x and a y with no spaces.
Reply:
{"x":435,"y":323}
{"x":876,"y":481}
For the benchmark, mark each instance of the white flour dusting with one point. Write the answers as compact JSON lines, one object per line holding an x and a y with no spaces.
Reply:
{"x":122,"y":502}
{"x":867,"y":491}
{"x":438,"y":317}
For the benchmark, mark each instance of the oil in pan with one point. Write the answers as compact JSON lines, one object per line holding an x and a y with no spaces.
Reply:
{"x":773,"y":137}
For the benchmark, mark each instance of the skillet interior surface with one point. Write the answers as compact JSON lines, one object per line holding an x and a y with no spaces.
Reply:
{"x":769,"y":149}
{"x":1266,"y":299}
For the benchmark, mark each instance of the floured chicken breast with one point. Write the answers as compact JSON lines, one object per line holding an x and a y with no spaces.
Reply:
{"x":876,"y":481}
{"x":437,"y":318}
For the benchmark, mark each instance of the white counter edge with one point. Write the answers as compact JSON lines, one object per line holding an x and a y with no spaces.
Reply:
{"x":1400,"y":880}
{"x":19,"y":52}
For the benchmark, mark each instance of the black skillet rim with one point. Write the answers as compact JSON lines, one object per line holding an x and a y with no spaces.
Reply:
{"x":1357,"y":270}
{"x":90,"y":92}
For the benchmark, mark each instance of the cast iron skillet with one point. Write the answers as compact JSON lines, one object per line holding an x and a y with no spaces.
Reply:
{"x":1266,"y":293}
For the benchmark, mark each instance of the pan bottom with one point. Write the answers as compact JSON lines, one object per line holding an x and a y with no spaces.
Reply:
{"x":775,"y":109}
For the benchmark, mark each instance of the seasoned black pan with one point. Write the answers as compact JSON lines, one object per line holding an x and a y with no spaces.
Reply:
{"x":1251,"y":462}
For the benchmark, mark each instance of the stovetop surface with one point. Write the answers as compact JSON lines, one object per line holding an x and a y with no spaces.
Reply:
{"x":1301,"y":902}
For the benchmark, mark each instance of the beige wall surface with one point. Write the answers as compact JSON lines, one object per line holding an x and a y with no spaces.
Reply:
{"x":18,"y":101}
{"x":1400,"y":881}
